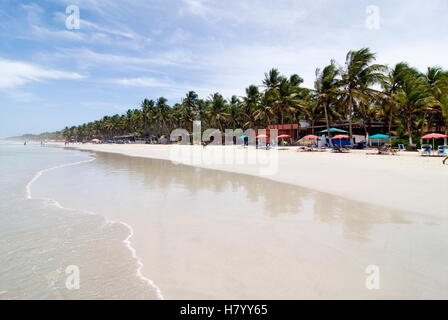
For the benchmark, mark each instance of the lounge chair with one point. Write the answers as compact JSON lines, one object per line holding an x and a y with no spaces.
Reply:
{"x":426,"y":150}
{"x":304,"y":149}
{"x":401,"y":147}
{"x":443,"y":151}
{"x":336,"y":149}
{"x":339,"y":149}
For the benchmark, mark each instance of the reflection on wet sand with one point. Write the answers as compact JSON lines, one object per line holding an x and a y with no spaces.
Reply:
{"x":277,"y":198}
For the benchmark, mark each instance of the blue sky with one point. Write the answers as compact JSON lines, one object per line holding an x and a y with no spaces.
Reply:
{"x":126,"y":51}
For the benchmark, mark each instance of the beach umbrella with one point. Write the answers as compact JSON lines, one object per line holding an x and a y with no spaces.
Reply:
{"x":243,"y":137}
{"x":310,"y":137}
{"x":262,"y":136}
{"x":379,"y":137}
{"x":434,"y":136}
{"x":340,"y":137}
{"x":333,"y":130}
{"x":284,"y":136}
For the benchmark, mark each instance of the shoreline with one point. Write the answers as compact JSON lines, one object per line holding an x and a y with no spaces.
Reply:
{"x":395,"y":182}
{"x":127,"y":241}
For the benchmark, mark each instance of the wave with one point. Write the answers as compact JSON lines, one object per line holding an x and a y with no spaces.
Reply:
{"x":127,"y":241}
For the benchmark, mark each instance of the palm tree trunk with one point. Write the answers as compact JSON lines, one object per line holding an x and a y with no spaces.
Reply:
{"x":350,"y":111}
{"x":327,"y":120}
{"x":422,"y":129}
{"x":389,"y":131}
{"x":410,"y":130}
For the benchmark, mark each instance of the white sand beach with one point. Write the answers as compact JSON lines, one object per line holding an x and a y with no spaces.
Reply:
{"x":199,"y":239}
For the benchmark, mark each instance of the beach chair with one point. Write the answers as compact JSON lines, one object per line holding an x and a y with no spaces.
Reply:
{"x":338,"y":149}
{"x":443,"y":151}
{"x":426,"y":150}
{"x":401,"y":147}
{"x":382,"y":150}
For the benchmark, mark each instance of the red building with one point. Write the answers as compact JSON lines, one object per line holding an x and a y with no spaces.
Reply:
{"x":288,"y":129}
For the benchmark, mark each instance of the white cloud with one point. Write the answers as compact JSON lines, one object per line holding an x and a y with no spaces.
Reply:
{"x":89,"y":58}
{"x":199,"y":7}
{"x":46,"y":33}
{"x":14,"y":74}
{"x":140,"y":82}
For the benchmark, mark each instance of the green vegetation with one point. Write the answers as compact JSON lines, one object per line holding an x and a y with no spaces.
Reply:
{"x":407,"y":102}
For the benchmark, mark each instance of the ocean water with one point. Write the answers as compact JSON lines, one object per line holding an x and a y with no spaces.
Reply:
{"x":148,"y":229}
{"x":39,"y":238}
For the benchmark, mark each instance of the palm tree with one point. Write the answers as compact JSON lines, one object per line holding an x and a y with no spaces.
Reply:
{"x":357,"y":77}
{"x":148,"y":114}
{"x":187,"y":116}
{"x":191,"y":101}
{"x":217,"y":111}
{"x":249,"y":104}
{"x":435,"y":80}
{"x":262,"y":113}
{"x":272,"y":79}
{"x":387,"y":108}
{"x":410,"y":100}
{"x":413,"y":99}
{"x":162,"y":115}
{"x":326,"y":88}
{"x":234,"y":111}
{"x":285,"y":99}
{"x":311,"y":109}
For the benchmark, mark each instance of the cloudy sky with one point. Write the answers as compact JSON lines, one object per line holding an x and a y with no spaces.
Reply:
{"x":128,"y":50}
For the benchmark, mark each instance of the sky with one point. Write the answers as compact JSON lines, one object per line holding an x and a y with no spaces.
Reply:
{"x":53,"y":75}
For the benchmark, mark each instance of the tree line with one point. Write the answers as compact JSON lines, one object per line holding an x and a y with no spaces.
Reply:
{"x":406,"y":101}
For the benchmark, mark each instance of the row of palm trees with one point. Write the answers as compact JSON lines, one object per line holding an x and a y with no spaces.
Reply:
{"x":406,"y":101}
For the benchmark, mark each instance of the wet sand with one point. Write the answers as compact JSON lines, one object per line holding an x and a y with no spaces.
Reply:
{"x":404,"y":182}
{"x":208,"y":234}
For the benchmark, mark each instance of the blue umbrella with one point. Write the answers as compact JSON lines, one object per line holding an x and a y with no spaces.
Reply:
{"x":333,"y":130}
{"x":379,"y":137}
